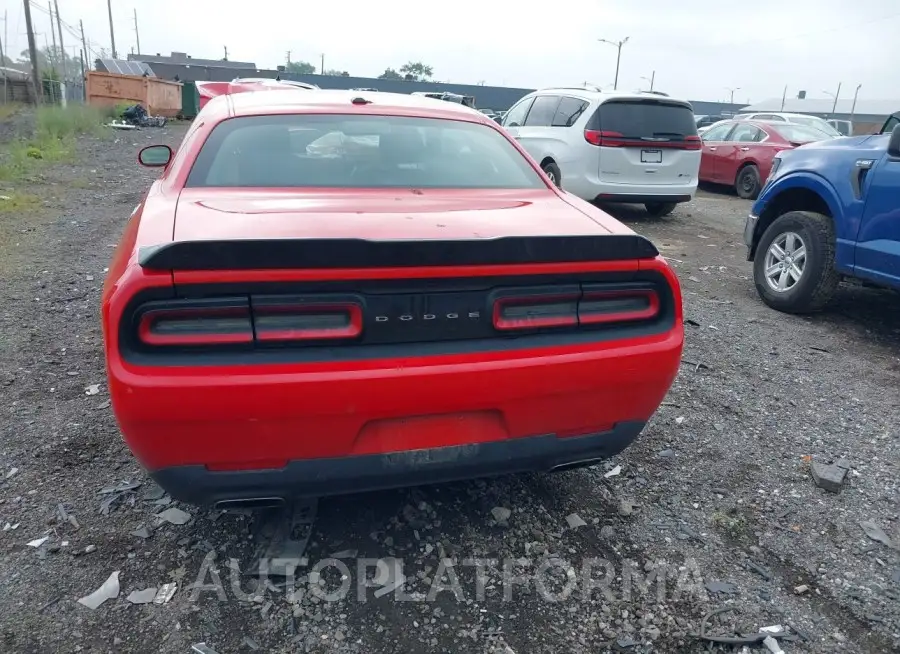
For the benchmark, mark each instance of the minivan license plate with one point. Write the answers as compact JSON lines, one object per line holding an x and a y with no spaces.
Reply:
{"x":651,"y":156}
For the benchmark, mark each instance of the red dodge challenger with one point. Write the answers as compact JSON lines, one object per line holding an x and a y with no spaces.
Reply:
{"x":328,"y":292}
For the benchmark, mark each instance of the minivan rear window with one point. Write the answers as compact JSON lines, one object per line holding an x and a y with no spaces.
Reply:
{"x":644,"y":120}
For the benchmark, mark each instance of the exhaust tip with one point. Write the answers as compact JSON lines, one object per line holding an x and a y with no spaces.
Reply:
{"x":577,"y":464}
{"x":251,"y":503}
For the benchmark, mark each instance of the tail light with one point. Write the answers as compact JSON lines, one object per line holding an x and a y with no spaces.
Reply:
{"x":584,"y":308}
{"x":306,"y":322}
{"x":234,"y":321}
{"x":209,"y":323}
{"x":536,"y":312}
{"x":617,"y":140}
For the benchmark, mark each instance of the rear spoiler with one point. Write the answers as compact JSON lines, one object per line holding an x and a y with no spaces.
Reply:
{"x":360,"y":253}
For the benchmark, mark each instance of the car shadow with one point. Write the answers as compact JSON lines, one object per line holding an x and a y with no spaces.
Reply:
{"x":871,"y":314}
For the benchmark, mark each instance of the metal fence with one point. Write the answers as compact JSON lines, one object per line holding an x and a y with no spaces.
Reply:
{"x":52,"y":91}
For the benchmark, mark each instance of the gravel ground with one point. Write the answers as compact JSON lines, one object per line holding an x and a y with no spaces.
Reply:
{"x":716,"y":498}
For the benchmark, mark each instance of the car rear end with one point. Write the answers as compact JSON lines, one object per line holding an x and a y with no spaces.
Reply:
{"x":421,"y":336}
{"x":646,"y":149}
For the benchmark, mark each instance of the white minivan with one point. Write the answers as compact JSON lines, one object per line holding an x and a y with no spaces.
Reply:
{"x":639,"y":148}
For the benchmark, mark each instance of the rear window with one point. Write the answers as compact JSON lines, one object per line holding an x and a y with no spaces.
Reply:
{"x":816,"y":123}
{"x":645,"y":119}
{"x":345,"y":151}
{"x":800,"y":133}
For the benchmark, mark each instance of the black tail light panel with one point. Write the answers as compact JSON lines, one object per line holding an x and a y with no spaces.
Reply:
{"x":270,"y":323}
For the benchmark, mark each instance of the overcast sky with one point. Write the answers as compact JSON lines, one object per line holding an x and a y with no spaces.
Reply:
{"x":698,"y":49}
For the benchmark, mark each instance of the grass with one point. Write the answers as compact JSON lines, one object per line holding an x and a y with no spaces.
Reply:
{"x":55,"y":131}
{"x":19,"y":203}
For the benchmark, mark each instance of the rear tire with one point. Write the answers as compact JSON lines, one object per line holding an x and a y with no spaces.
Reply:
{"x":748,"y":184}
{"x":552,"y":171}
{"x":660,"y":209}
{"x":796,"y":253}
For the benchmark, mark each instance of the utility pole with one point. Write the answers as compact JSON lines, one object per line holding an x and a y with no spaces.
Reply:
{"x":226,"y":53}
{"x":62,"y":48}
{"x":137,"y":35}
{"x":3,"y":56}
{"x":853,"y":108}
{"x":836,"y":96}
{"x":83,"y":78}
{"x":288,"y":57}
{"x":84,"y":48}
{"x":32,"y":52}
{"x":783,"y":97}
{"x":52,"y":34}
{"x":618,"y":45}
{"x":322,"y":69}
{"x":112,"y":31}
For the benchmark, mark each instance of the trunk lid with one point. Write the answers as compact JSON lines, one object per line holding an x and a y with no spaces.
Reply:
{"x":217,"y":214}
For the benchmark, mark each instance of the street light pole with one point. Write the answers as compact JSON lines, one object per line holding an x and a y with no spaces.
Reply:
{"x":651,"y":79}
{"x":853,"y":108}
{"x":732,"y":93}
{"x":618,"y":45}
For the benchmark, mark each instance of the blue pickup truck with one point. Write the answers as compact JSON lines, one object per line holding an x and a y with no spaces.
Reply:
{"x":829,"y":210}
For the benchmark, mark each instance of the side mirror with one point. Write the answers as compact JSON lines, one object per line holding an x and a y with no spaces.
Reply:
{"x":155,"y":156}
{"x":894,"y":143}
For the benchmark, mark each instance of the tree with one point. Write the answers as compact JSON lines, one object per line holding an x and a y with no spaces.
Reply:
{"x":390,"y":73}
{"x":417,"y":71}
{"x":300,"y":67}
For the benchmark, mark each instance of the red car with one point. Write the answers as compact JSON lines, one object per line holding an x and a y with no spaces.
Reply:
{"x":739,"y":153}
{"x":206,"y":91}
{"x":284,"y":320}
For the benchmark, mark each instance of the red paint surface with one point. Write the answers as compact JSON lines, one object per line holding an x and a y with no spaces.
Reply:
{"x":262,"y":415}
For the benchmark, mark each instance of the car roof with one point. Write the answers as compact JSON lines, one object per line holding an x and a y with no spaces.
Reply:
{"x":256,"y":103}
{"x":595,"y":94}
{"x":786,"y":114}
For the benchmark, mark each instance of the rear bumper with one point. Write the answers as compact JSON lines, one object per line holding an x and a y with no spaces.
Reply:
{"x":334,"y":476}
{"x":284,"y":417}
{"x":643,"y":198}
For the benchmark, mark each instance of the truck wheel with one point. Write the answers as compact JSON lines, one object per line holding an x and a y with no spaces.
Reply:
{"x":793,"y":268}
{"x":660,"y":209}
{"x":747,"y":183}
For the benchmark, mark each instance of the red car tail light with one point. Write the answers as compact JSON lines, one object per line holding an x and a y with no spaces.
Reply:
{"x":603,"y":139}
{"x":195,"y":326}
{"x":598,"y":307}
{"x":288,"y":322}
{"x":536,"y":312}
{"x":582,"y":309}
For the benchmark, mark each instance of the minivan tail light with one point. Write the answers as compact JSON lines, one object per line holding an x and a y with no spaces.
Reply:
{"x":692,"y":142}
{"x":592,"y":307}
{"x":280,"y":323}
{"x":617,"y":140}
{"x":196,"y":326}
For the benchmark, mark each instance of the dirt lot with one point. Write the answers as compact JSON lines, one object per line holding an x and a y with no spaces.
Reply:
{"x":716,"y":496}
